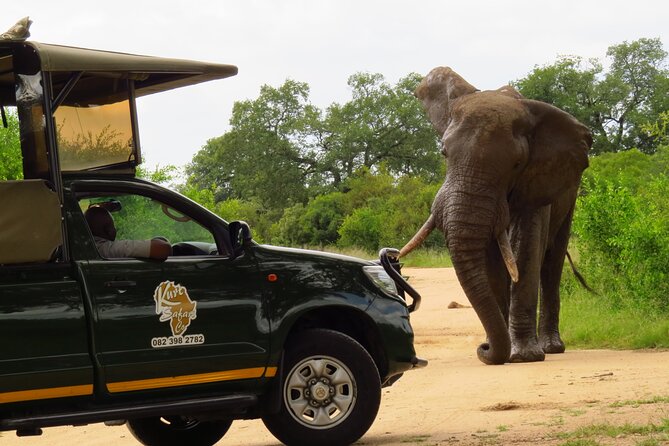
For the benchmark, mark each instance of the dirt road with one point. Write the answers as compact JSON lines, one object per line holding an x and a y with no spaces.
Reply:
{"x":458,"y":400}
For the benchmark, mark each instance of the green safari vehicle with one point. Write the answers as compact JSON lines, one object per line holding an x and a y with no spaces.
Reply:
{"x":223,"y":329}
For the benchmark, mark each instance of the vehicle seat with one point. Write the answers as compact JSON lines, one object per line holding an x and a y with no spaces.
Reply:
{"x":30,"y":222}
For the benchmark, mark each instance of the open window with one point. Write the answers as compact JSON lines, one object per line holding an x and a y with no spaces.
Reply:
{"x":138,"y":217}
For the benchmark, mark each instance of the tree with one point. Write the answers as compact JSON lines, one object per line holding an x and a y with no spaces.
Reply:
{"x":267,"y":154}
{"x":11,"y":167}
{"x":282,"y":150}
{"x":615,"y":104}
{"x":638,"y":84}
{"x":382,"y":124}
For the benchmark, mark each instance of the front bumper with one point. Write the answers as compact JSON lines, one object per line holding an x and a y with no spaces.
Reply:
{"x":418,"y":363}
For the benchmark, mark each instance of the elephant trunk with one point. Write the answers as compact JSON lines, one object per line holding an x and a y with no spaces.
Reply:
{"x":471,"y":269}
{"x":472,"y":222}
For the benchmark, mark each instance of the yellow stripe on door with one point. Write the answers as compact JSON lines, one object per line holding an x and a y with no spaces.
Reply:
{"x":186,"y":380}
{"x":45,"y":394}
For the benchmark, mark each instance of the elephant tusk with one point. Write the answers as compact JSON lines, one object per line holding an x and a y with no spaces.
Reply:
{"x":507,"y":254}
{"x":420,"y":236}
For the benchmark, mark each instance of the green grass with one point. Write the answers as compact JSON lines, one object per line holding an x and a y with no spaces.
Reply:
{"x":640,"y":402}
{"x":420,"y":258}
{"x":574,"y":412}
{"x":592,"y":321}
{"x":614,"y":431}
{"x":416,"y":439}
{"x":581,"y":442}
{"x":428,"y":258}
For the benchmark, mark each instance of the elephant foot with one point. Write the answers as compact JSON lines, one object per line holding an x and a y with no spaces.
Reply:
{"x":526,"y":351}
{"x":551,"y":343}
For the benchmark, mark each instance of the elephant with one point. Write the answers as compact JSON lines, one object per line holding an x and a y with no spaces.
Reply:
{"x":505,"y":208}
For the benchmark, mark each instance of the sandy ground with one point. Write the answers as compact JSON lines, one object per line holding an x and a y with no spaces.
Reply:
{"x":458,"y":400}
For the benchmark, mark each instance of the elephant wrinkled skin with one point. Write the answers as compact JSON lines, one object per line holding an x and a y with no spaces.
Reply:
{"x":513,"y":170}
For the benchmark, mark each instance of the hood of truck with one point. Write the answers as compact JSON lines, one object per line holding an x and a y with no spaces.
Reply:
{"x":316,"y":255}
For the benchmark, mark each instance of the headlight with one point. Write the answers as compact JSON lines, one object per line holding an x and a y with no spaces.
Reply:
{"x":381,"y":278}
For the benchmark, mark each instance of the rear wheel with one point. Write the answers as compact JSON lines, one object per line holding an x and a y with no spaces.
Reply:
{"x":331,"y":391}
{"x":178,"y":431}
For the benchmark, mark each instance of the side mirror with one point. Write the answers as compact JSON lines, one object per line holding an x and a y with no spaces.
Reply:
{"x":240,"y":236}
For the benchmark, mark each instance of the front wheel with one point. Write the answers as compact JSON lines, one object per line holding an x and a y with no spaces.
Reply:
{"x":177,"y":431}
{"x":330,"y":394}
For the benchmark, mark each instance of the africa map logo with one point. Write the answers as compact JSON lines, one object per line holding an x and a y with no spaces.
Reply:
{"x":173,"y":304}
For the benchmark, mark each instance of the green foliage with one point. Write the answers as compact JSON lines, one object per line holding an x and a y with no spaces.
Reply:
{"x":231,"y":209}
{"x":316,"y":224}
{"x":142,"y":218}
{"x":263,"y":157}
{"x":11,"y":167}
{"x":622,"y":230}
{"x":616,"y":104}
{"x":375,"y":210}
{"x":362,"y":228}
{"x":621,"y":236}
{"x":624,"y":233}
{"x":282,"y":151}
{"x":570,"y":84}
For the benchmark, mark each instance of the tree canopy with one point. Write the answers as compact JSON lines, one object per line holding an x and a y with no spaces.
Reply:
{"x":615,"y":103}
{"x":281,"y":150}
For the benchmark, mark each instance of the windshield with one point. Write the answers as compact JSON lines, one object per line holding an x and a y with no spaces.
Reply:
{"x":93,"y":134}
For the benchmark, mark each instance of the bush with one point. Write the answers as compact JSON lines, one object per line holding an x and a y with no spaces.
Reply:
{"x":621,"y":229}
{"x":313,"y":225}
{"x":376,"y":210}
{"x":362,"y":229}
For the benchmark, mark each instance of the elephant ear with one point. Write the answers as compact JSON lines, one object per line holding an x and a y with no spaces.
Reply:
{"x":558,"y":154}
{"x":509,"y":91}
{"x":437,"y":91}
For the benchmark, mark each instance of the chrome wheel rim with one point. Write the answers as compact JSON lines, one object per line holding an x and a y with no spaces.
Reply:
{"x":320,"y":392}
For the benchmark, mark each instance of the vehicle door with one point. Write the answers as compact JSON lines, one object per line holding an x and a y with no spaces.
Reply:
{"x":44,"y":352}
{"x":198,"y":317}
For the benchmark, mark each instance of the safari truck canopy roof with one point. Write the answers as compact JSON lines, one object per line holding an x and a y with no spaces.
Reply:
{"x":151,"y":74}
{"x":91,"y":96}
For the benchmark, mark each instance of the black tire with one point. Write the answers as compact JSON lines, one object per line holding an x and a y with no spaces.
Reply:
{"x":330,"y":393}
{"x":177,"y":431}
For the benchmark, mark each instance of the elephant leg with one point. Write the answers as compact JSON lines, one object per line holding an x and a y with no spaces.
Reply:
{"x":528,"y":238}
{"x":551,"y":272}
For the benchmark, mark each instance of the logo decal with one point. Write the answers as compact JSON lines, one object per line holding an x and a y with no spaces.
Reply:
{"x":173,"y":304}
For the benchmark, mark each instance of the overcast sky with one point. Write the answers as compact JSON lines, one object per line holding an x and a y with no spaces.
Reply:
{"x":323,"y":42}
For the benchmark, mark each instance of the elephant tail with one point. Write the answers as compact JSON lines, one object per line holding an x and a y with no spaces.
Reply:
{"x":578,"y":275}
{"x":420,"y":236}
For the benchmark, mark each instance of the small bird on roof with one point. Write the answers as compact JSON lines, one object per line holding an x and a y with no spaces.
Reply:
{"x":18,"y":32}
